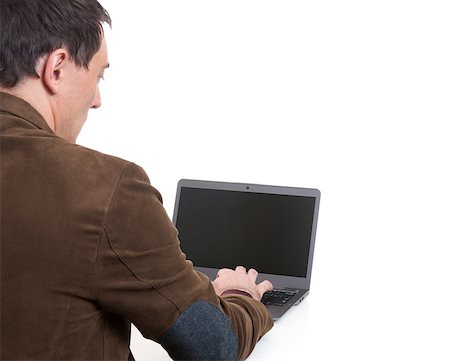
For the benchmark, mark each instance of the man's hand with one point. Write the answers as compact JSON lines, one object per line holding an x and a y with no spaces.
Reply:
{"x":241,"y":280}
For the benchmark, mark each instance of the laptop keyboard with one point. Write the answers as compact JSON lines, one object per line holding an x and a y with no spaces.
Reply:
{"x":277,"y":297}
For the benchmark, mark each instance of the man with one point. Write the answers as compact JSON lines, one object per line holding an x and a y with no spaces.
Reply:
{"x":86,"y":246}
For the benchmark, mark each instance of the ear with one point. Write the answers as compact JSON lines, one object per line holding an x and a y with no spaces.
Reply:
{"x":54,"y":68}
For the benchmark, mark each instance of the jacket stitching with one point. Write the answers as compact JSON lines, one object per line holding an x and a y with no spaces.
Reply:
{"x":137,"y":277}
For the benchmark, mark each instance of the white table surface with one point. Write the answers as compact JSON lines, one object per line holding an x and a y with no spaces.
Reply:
{"x":366,"y":323}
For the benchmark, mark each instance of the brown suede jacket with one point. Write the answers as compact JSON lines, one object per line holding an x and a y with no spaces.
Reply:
{"x":87,"y":248}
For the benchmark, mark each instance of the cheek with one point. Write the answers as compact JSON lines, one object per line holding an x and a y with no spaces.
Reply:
{"x":86,"y":89}
{"x":94,"y":91}
{"x":88,"y":96}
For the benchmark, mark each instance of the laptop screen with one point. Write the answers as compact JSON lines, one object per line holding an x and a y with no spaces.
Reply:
{"x":268,"y":232}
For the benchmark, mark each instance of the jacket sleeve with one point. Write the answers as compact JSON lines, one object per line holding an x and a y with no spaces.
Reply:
{"x":144,"y":277}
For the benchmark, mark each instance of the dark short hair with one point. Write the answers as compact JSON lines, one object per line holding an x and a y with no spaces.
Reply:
{"x":30,"y":29}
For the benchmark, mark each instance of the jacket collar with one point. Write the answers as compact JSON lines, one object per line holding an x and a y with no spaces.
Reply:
{"x":20,"y":108}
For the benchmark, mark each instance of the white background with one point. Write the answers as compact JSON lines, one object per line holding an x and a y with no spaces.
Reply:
{"x":351,"y":97}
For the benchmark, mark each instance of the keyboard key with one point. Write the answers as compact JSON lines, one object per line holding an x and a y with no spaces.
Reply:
{"x":277,"y":297}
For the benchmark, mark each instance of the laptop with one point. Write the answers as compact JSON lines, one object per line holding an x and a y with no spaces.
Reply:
{"x":269,"y":228}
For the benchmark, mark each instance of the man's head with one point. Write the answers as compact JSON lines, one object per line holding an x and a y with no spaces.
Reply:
{"x":52,"y":54}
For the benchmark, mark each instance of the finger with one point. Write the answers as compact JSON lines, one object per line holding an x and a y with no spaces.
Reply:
{"x":253,"y":274}
{"x":222,"y":271}
{"x":241,"y":269}
{"x":264,"y":286}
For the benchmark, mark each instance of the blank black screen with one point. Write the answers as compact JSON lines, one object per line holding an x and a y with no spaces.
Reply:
{"x":268,"y":232}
